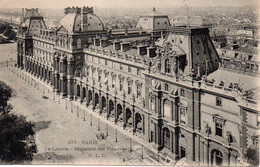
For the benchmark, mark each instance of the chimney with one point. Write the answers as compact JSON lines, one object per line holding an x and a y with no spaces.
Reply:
{"x":151,"y":51}
{"x":116,"y":45}
{"x":141,"y":50}
{"x":125,"y":46}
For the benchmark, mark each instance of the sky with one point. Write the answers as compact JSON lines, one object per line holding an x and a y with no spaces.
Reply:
{"x":122,"y":3}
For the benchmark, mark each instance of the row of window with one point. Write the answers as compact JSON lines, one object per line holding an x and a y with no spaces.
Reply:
{"x":43,"y":44}
{"x":121,"y":83}
{"x":113,"y":65}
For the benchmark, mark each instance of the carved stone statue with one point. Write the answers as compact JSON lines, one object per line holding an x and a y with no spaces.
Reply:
{"x":143,"y":101}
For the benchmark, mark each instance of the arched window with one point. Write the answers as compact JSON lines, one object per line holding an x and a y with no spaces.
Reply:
{"x":167,"y":66}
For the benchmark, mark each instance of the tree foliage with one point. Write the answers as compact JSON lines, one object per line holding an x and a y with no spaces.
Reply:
{"x":6,"y":93}
{"x":8,"y":31}
{"x":2,"y":27}
{"x":17,"y":143}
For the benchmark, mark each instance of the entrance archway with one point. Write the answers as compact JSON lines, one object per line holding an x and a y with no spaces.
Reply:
{"x":119,"y":112}
{"x":129,"y":119}
{"x":103,"y":104}
{"x":96,"y":100}
{"x":78,"y":91}
{"x":216,"y":157}
{"x":84,"y":93}
{"x":111,"y":108}
{"x":90,"y":96}
{"x":138,"y":123}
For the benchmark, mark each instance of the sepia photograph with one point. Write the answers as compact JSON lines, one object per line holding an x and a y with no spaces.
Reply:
{"x":129,"y":82}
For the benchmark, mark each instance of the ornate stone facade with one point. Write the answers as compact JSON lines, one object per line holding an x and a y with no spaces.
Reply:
{"x":158,"y":91}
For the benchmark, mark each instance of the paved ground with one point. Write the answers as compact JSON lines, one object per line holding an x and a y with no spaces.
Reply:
{"x":62,"y":137}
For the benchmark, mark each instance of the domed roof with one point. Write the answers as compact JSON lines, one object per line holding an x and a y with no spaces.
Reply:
{"x":69,"y":21}
{"x":72,"y":22}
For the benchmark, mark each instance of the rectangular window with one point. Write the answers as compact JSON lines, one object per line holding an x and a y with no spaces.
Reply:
{"x":182,"y":92}
{"x":138,"y":72}
{"x":129,"y":91}
{"x":113,"y":81}
{"x":99,"y":76}
{"x":182,"y":115}
{"x":113,"y":64}
{"x":106,"y":62}
{"x":121,"y":85}
{"x":121,"y":66}
{"x":129,"y":69}
{"x":219,"y":127}
{"x":218,"y":101}
{"x":99,"y":60}
{"x":138,"y":91}
{"x":166,"y":87}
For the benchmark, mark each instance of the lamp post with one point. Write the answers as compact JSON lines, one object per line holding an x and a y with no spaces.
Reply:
{"x":142,"y":151}
{"x":71,"y":107}
{"x":106,"y":129}
{"x":84,"y":115}
{"x":90,"y":119}
{"x":98,"y":124}
{"x":116,"y":135}
{"x":131,"y":145}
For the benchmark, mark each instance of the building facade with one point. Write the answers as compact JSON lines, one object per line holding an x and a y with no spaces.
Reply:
{"x":151,"y":80}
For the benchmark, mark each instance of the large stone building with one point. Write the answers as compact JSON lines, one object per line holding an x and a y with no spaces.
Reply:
{"x":158,"y":82}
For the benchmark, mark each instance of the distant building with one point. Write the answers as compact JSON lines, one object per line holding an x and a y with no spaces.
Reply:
{"x":157,"y":82}
{"x":243,"y":59}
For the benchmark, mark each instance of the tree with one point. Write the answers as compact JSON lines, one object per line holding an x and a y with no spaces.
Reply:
{"x":6,"y":93}
{"x":2,"y":28}
{"x":8,"y":31}
{"x":17,"y":143}
{"x":12,"y":36}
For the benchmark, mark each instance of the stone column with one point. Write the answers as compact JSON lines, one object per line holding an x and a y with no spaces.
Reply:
{"x":107,"y":105}
{"x":81,"y":93}
{"x":93,"y":98}
{"x":61,"y":88}
{"x":124,"y":115}
{"x":206,"y":153}
{"x":100,"y":102}
{"x":70,"y":95}
{"x":171,"y":141}
{"x":226,"y":158}
{"x":87,"y":97}
{"x":115,"y":112}
{"x":133,"y":119}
